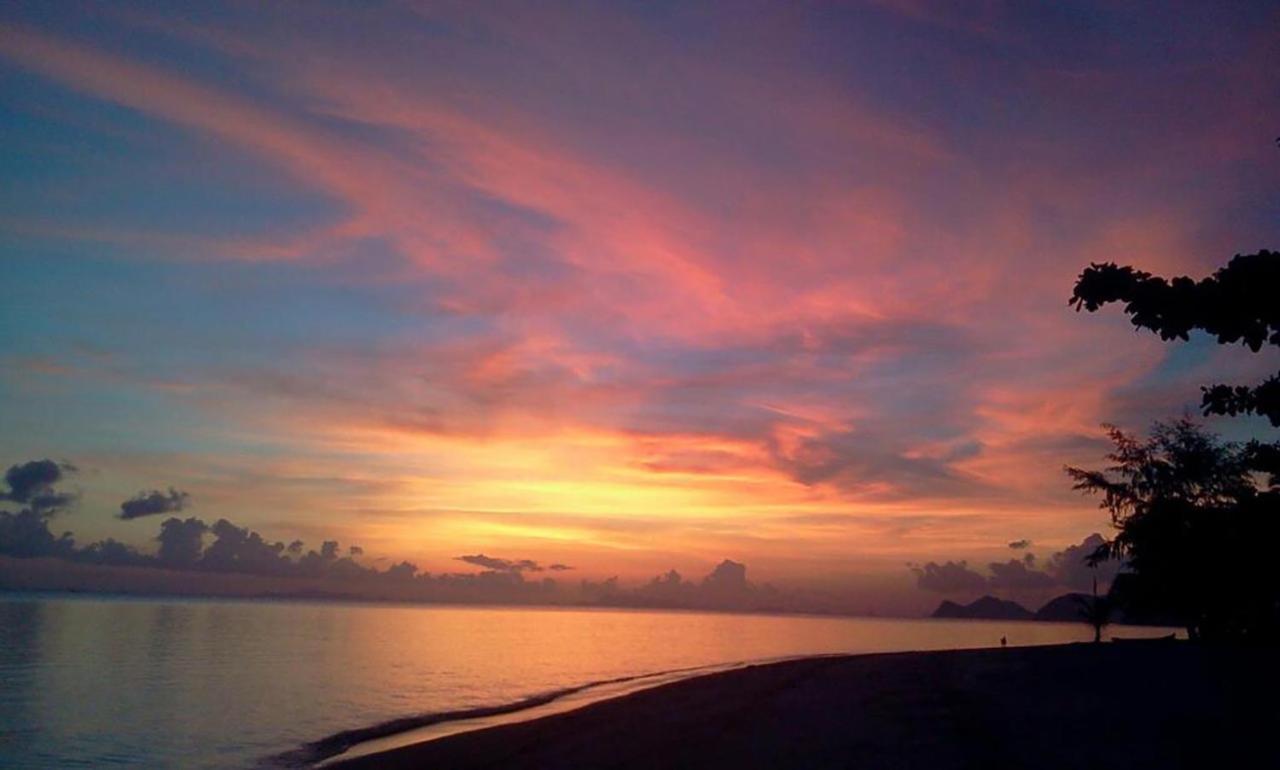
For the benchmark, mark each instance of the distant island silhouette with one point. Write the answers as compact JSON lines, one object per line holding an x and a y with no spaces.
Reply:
{"x":1066,"y":608}
{"x":985,"y":608}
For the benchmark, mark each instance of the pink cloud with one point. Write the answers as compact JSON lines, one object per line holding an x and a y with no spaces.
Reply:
{"x":730,"y":280}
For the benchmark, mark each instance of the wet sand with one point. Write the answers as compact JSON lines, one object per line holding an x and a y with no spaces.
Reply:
{"x":1114,"y":705}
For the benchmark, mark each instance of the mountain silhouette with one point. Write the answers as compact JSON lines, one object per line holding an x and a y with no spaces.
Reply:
{"x":986,"y":608}
{"x":1065,"y":608}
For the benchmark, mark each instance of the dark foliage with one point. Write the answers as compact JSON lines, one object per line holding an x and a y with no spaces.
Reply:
{"x":1195,"y":527}
{"x":1194,"y":522}
{"x":1096,"y":611}
{"x":1238,"y":303}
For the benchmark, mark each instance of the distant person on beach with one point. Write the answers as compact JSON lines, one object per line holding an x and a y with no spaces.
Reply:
{"x":1004,"y":641}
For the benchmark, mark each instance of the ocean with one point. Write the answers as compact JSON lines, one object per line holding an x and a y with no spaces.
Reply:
{"x":203,"y":684}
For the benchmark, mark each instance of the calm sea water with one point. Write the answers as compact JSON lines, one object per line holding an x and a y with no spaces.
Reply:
{"x":106,"y":682}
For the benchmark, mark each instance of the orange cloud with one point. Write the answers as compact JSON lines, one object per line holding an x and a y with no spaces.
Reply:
{"x":732,"y":301}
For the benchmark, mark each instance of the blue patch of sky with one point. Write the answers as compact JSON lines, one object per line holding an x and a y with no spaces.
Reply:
{"x":90,"y":164}
{"x":178,"y":316}
{"x":63,"y":416}
{"x":122,"y":327}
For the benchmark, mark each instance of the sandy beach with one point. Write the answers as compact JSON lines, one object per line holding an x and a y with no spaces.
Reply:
{"x":1114,"y":705}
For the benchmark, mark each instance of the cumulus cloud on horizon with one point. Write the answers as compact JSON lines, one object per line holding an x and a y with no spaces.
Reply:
{"x":1019,"y":575}
{"x":1065,"y":569}
{"x":949,"y":577}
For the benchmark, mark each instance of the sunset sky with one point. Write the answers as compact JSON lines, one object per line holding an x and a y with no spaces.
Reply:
{"x":626,"y":286}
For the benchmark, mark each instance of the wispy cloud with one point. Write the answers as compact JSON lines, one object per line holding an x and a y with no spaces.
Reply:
{"x":780,"y":287}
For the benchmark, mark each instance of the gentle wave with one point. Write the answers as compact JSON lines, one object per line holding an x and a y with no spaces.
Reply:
{"x":92,"y":682}
{"x":316,"y":752}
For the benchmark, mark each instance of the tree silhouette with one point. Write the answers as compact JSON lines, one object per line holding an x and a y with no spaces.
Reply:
{"x":1195,"y":529}
{"x":1096,"y":611}
{"x":1238,"y":303}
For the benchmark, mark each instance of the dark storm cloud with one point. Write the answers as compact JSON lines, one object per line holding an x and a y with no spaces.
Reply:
{"x":154,"y":503}
{"x":32,"y":484}
{"x":949,"y":577}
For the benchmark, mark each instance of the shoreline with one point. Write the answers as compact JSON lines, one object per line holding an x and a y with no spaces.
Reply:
{"x":1137,"y":704}
{"x":416,"y":729}
{"x":413,"y":730}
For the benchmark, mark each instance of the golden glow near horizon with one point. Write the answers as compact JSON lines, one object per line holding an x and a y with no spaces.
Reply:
{"x":472,"y":281}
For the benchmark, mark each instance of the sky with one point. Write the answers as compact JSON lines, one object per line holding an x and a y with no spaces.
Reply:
{"x":622,"y":286}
